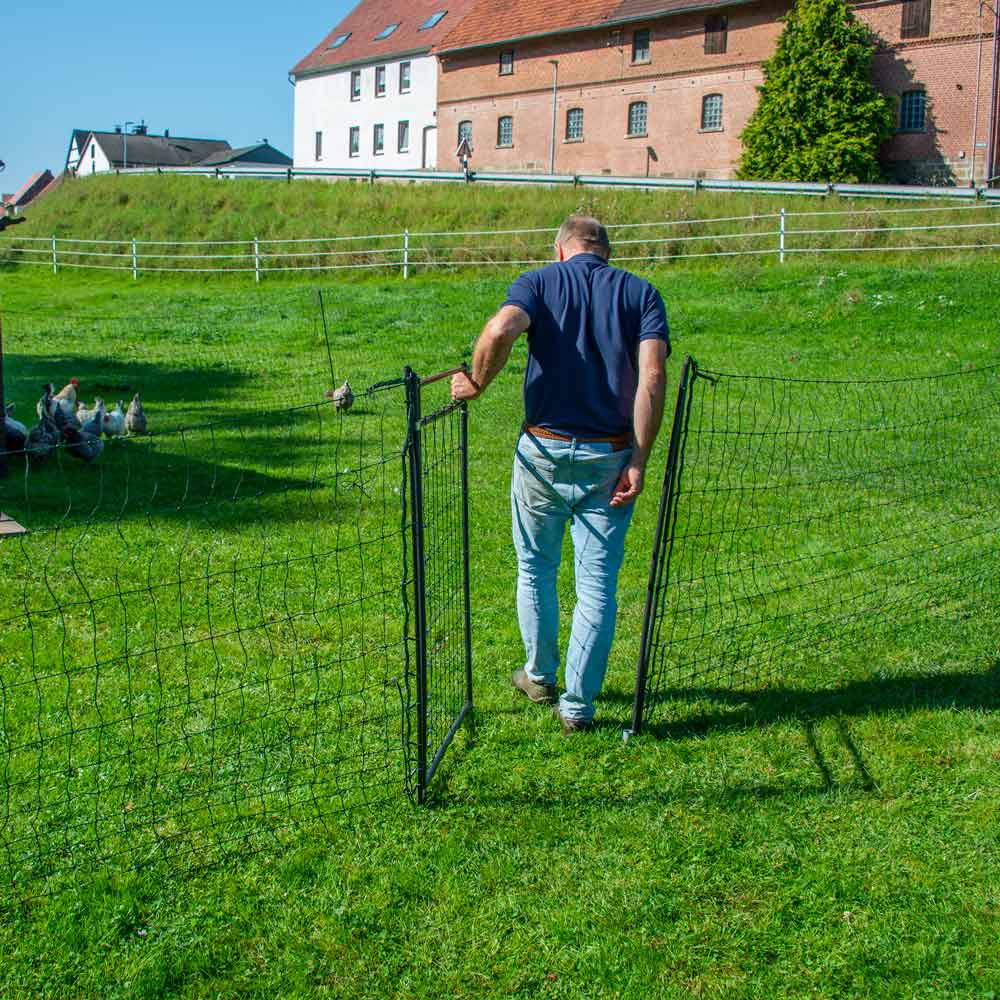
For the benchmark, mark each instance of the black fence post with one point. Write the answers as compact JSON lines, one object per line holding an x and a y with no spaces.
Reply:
{"x":466,"y":569}
{"x":419,"y":582}
{"x":660,"y":558}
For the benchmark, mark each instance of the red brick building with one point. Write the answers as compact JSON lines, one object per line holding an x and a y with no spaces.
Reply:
{"x":668,"y":85}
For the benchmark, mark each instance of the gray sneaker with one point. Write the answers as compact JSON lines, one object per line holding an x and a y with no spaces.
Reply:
{"x":570,"y":726}
{"x":540,"y":694}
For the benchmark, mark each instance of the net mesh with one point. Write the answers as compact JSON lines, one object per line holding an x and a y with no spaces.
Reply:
{"x":818,"y":531}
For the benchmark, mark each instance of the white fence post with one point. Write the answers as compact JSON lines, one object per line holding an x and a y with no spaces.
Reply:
{"x":256,"y":259}
{"x":55,"y":257}
{"x":781,"y":239}
{"x":406,"y":254}
{"x":135,"y":261}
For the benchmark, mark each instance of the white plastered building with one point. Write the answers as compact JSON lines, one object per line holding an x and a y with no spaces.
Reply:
{"x":366,"y":96}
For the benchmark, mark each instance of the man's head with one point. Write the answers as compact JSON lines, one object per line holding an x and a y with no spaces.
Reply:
{"x":582,"y":234}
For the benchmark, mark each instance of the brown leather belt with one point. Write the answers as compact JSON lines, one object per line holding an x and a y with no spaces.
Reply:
{"x":619,"y":443}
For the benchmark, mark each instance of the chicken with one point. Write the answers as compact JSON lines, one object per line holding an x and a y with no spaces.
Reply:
{"x":135,"y":417}
{"x":65,"y":399}
{"x":82,"y":444}
{"x":343,"y":398}
{"x":42,"y":439}
{"x":83,"y":414}
{"x":44,"y":406}
{"x":95,"y":422}
{"x":15,"y":432}
{"x":114,"y":422}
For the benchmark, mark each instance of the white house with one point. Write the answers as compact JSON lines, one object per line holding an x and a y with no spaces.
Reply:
{"x":366,"y":96}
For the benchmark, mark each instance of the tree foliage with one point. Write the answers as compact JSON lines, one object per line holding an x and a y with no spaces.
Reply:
{"x":819,"y":117}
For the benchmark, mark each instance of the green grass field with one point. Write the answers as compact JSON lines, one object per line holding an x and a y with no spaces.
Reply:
{"x":848,"y":850}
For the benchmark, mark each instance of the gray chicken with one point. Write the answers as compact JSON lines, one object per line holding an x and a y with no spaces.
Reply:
{"x":135,"y":417}
{"x":82,"y":444}
{"x":343,"y":398}
{"x":42,"y":439}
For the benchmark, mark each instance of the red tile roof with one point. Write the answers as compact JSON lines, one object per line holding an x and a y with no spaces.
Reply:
{"x":488,"y":24}
{"x":369,"y":18}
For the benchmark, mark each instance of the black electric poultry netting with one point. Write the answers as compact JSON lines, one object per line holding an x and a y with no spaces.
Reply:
{"x":812,"y":532}
{"x":441,"y":634}
{"x":202,"y":639}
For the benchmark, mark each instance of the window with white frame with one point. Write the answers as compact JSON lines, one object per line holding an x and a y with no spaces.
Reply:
{"x":355,"y":85}
{"x":574,"y":124}
{"x":913,"y":111}
{"x":403,"y":138}
{"x":354,"y":148}
{"x":380,"y":81}
{"x":637,"y":115}
{"x":378,"y":139}
{"x":319,"y":146}
{"x":711,"y":113}
{"x":404,"y":77}
{"x":640,"y":45}
{"x":507,"y":62}
{"x":505,"y":131}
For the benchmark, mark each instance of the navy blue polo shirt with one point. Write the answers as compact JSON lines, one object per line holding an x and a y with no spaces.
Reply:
{"x":587,"y":320}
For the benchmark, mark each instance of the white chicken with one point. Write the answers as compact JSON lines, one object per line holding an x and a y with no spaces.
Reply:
{"x":343,"y":398}
{"x":114,"y":422}
{"x":84,"y":414}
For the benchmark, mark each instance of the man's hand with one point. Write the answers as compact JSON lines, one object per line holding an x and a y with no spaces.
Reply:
{"x":629,"y":486}
{"x":463,"y":389}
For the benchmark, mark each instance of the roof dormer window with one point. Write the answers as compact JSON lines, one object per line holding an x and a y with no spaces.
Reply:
{"x":386,"y":31}
{"x":339,"y":40}
{"x":432,"y":20}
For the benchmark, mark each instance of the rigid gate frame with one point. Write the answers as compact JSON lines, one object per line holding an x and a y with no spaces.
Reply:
{"x":439,"y":671}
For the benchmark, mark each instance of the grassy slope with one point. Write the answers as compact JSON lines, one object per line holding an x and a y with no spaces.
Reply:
{"x":197,"y":208}
{"x":851,"y":854}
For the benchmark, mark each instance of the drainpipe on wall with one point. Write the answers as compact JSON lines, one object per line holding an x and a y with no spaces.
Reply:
{"x":992,"y":150}
{"x":555,"y":95}
{"x":975,"y":110}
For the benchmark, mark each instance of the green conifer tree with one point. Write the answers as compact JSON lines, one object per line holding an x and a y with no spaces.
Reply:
{"x":819,"y":117}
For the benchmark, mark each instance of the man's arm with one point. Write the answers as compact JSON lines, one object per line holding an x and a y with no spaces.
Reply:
{"x":647,"y":414}
{"x":491,"y":352}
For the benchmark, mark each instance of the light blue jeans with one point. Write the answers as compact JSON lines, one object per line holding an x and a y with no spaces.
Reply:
{"x":555,"y":482}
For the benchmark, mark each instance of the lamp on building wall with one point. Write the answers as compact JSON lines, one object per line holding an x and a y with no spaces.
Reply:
{"x":555,"y":94}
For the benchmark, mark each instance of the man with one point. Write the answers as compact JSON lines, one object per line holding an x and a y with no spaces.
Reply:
{"x":593,"y":398}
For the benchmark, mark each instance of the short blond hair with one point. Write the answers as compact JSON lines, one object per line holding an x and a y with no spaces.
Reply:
{"x":587,"y":232}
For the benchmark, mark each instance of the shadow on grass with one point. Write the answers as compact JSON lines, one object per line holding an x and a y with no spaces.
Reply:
{"x":219,"y":474}
{"x":857,"y":699}
{"x":114,"y":378}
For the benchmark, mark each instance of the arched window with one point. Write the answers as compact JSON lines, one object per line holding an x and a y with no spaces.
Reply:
{"x":574,"y":124}
{"x":637,"y":118}
{"x":505,"y":131}
{"x":711,"y":112}
{"x":464,"y":132}
{"x":913,"y":111}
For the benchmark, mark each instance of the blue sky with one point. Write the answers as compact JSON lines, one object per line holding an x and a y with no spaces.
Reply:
{"x":214,"y":69}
